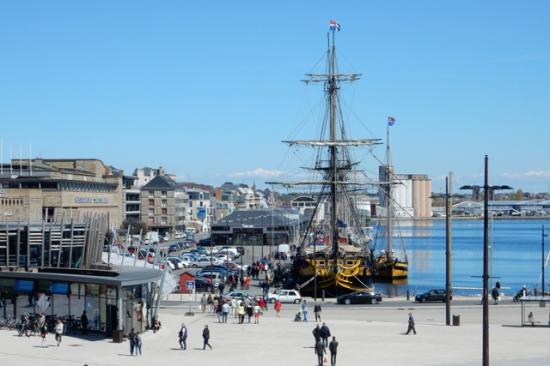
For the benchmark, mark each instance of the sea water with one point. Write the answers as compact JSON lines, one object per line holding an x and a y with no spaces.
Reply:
{"x":514,"y":251}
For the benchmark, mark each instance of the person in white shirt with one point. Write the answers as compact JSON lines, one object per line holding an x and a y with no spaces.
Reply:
{"x":58,"y":331}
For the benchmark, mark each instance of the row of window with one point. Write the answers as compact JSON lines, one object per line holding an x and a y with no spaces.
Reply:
{"x":11,"y":201}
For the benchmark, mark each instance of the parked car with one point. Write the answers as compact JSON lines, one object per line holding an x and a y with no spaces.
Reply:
{"x":213,"y":277}
{"x":173,"y":248}
{"x":204,"y":261}
{"x":285,"y":296}
{"x":177,"y":261}
{"x":432,"y":295}
{"x":202,"y":284}
{"x":237,"y":295}
{"x":217,"y":268}
{"x":359,"y":297}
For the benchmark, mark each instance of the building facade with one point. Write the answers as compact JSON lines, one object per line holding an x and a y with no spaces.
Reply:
{"x":163,"y":205}
{"x":59,"y":189}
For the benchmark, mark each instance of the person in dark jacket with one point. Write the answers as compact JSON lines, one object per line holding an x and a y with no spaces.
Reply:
{"x":316,"y":334}
{"x":317,"y":311}
{"x":333,"y":348}
{"x":325,"y":334}
{"x":411,"y":324}
{"x":206,"y":337}
{"x":84,"y":322}
{"x":320,"y":352}
{"x":182,"y":335}
{"x":132,"y":340}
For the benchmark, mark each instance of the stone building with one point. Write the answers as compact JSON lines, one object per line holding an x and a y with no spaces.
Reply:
{"x":163,"y":205}
{"x":55,"y":189}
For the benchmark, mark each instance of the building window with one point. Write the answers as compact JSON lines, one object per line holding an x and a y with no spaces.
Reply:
{"x":163,"y":194}
{"x":164,"y":211}
{"x":164,"y":220}
{"x":164,"y":203}
{"x":151,"y":202}
{"x":151,"y":211}
{"x":151,"y":194}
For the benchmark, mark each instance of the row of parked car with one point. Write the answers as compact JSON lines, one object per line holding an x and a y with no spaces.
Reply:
{"x":201,"y":257}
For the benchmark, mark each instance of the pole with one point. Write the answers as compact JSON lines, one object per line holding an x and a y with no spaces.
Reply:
{"x":542,"y":260}
{"x":315,"y":270}
{"x":486,"y":265}
{"x":448,"y":210}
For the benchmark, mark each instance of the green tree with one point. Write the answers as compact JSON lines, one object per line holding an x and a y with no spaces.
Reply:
{"x":518,"y":196}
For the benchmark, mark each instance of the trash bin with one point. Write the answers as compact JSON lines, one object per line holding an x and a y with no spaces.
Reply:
{"x":118,"y":336}
{"x":456,"y":320}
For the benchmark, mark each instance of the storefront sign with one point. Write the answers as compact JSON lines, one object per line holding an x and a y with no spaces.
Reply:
{"x":91,"y":200}
{"x":190,"y":285}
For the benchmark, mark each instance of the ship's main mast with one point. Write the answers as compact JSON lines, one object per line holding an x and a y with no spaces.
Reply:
{"x":332,"y":91}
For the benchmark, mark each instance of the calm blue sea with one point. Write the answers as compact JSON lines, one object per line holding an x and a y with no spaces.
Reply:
{"x":515,"y":251}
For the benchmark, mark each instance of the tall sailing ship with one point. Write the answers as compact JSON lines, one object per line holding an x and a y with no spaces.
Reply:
{"x":345,"y":262}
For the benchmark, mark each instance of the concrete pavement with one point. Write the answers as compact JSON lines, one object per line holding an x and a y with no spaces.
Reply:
{"x":372,"y":334}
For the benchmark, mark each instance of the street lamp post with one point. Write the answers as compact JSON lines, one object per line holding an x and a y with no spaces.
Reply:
{"x":448,"y":247}
{"x":542,"y":259}
{"x":487,"y":190}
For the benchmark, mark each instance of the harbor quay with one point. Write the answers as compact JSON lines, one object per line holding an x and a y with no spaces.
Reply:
{"x":373,"y":334}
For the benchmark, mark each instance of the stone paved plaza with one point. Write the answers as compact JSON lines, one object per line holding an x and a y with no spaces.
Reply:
{"x":367,"y":334}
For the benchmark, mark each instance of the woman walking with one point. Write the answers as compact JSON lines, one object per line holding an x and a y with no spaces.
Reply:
{"x":277,"y":307}
{"x":58,"y":331}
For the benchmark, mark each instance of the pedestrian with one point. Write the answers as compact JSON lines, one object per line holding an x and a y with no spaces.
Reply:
{"x":411,"y":324}
{"x":58,"y":331}
{"x":320,"y":352}
{"x":531,"y":319}
{"x":203,"y":303}
{"x":241,"y":312}
{"x":304,"y":311}
{"x":333,"y":348}
{"x":257,"y":313}
{"x":84,"y":322}
{"x":132,"y":340}
{"x":209,"y":302}
{"x":225,"y":311}
{"x":249,"y":311}
{"x":316,"y":334}
{"x":277,"y":307}
{"x":206,"y":337}
{"x":317,"y":311}
{"x":234,"y":307}
{"x":325,"y":334}
{"x":182,"y":335}
{"x":137,"y":341}
{"x":43,"y":332}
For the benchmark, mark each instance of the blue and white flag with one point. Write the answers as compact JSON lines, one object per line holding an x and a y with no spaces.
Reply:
{"x":333,"y":25}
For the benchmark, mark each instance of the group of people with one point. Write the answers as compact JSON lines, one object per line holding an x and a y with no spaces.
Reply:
{"x":322,"y":336}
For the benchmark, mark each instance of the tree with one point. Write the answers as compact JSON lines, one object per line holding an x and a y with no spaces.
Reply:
{"x":518,"y":196}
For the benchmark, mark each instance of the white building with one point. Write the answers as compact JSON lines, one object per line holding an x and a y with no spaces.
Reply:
{"x":306,"y":206}
{"x":146,"y":174}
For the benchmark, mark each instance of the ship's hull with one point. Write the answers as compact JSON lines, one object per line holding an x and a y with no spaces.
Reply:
{"x":349,"y":275}
{"x":388,"y":271}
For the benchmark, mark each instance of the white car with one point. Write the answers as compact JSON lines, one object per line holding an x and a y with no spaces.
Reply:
{"x":285,"y":296}
{"x":204,"y":261}
{"x":176,"y":261}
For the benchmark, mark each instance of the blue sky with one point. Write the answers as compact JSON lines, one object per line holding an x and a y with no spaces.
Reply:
{"x":208,"y":89}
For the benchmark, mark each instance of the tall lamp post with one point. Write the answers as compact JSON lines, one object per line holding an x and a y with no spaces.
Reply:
{"x":487,"y":191}
{"x":542,"y":264}
{"x":448,"y":246}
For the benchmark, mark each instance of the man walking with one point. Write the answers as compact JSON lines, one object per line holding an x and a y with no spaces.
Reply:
{"x":225,"y":311}
{"x":206,"y":337}
{"x":411,"y":324}
{"x":304,"y":311}
{"x":316,"y":334}
{"x":325,"y":334}
{"x":132,"y":340}
{"x":317,"y":311}
{"x":183,"y":337}
{"x":333,"y":348}
{"x":320,"y":352}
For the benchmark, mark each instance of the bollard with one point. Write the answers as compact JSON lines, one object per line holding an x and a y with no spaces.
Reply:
{"x":323,"y":295}
{"x":408,"y":295}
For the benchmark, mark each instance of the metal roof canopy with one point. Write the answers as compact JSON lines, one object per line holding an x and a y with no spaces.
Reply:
{"x":124,"y":276}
